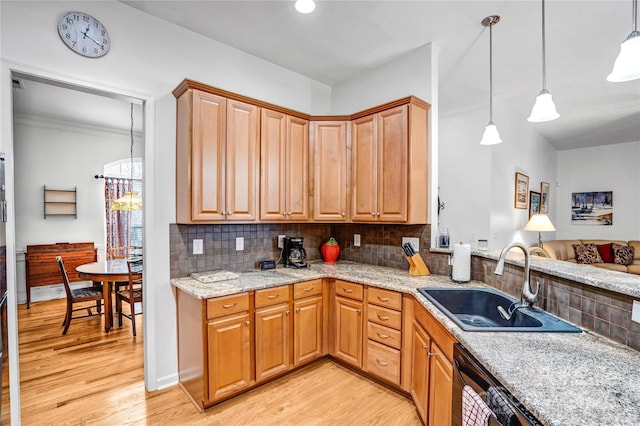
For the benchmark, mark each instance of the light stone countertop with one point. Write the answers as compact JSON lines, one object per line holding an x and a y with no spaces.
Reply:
{"x":562,"y":378}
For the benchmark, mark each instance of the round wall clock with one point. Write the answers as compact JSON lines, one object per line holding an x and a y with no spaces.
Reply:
{"x":84,"y":34}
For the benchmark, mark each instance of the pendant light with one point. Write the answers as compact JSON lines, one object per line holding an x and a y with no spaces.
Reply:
{"x":627,"y":65}
{"x":544,"y":109}
{"x":491,"y":135}
{"x":305,"y":6}
{"x":130,"y":201}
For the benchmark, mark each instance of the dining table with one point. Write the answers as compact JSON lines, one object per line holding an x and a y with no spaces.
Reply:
{"x":106,"y":272}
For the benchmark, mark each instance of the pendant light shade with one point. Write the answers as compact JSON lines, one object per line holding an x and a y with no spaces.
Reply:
{"x":490,"y":135}
{"x":130,"y":201}
{"x":544,"y":109}
{"x":305,"y":6}
{"x":627,"y":65}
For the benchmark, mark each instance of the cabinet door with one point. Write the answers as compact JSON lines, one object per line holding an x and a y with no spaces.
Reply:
{"x":242,"y":155}
{"x":272,"y":341}
{"x":307,"y":328}
{"x":208,"y":157}
{"x":330,"y":183}
{"x":348,"y":323}
{"x":392,"y":145}
{"x":272,"y":165}
{"x":297,"y":166}
{"x":420,"y":371}
{"x":229,"y":357}
{"x":364,"y":203}
{"x":440,"y":387}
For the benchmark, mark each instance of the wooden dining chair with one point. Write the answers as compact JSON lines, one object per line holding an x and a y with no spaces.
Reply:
{"x":78,"y":295}
{"x":131,"y":294}
{"x":118,"y":252}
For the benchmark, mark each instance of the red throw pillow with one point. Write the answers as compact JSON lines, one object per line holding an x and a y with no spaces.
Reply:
{"x":606,"y":252}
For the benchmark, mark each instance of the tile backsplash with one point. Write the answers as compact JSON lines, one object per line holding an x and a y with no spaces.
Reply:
{"x":380,"y":244}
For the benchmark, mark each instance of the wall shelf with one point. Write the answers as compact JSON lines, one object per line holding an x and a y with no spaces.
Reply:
{"x":60,"y":202}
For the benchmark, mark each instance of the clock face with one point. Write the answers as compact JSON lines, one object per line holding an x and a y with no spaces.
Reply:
{"x":84,"y":34}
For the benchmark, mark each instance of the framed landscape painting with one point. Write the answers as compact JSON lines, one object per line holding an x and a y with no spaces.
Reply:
{"x":592,"y":208}
{"x":544,"y":197}
{"x":534,"y":203}
{"x":521,"y":191}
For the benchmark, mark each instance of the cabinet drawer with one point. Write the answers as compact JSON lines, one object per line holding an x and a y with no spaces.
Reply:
{"x":384,"y":316}
{"x":307,"y":288}
{"x":220,"y":306}
{"x":383,"y":361}
{"x":350,"y":290}
{"x":386,"y":298}
{"x":272,"y":296}
{"x":385,"y":335}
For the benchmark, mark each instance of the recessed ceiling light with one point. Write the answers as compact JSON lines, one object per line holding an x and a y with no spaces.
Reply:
{"x":305,"y":6}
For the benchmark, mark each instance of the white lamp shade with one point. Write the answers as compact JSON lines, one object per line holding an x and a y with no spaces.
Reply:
{"x":540,"y":223}
{"x":627,"y":65}
{"x":490,"y":135}
{"x":544,"y":109}
{"x":305,"y":6}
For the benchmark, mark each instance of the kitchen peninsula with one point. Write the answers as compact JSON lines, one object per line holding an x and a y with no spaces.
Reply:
{"x":563,"y":379}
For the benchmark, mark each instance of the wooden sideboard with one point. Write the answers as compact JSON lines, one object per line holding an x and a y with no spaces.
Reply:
{"x":41,"y":266}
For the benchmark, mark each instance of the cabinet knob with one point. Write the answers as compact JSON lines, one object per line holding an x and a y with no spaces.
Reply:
{"x":284,"y":213}
{"x":288,"y":313}
{"x":343,"y":214}
{"x":297,"y":309}
{"x":229,"y":213}
{"x":288,"y":213}
{"x":373,"y":214}
{"x":358,"y":311}
{"x":425,"y":346}
{"x":377,"y":213}
{"x":248,"y":323}
{"x":223,"y":213}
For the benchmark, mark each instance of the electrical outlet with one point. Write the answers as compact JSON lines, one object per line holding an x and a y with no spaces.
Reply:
{"x":281,"y":241}
{"x":239,"y":243}
{"x":635,"y":311}
{"x":197,"y":247}
{"x":415,"y":242}
{"x":356,"y":240}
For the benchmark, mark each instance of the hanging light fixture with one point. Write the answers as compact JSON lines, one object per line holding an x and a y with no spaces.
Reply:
{"x":627,"y":65}
{"x":130,"y":201}
{"x":544,"y":109}
{"x":305,"y":6}
{"x":491,"y":135}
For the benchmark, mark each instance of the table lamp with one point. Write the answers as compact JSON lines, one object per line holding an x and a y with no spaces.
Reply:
{"x":540,"y":223}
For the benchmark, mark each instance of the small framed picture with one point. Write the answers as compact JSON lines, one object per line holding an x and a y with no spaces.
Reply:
{"x":521,"y":191}
{"x":544,"y":197}
{"x":534,"y":203}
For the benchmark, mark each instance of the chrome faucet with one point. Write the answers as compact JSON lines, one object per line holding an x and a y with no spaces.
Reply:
{"x":528,"y":297}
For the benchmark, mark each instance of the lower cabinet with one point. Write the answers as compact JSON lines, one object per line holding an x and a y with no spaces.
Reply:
{"x":348,"y":331}
{"x":307,"y":326}
{"x":272,"y":341}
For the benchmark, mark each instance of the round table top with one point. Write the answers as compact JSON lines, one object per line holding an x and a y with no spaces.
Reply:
{"x":108,"y":267}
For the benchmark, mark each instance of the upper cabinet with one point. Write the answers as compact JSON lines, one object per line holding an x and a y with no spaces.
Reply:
{"x":245,"y":160}
{"x":284,"y":165}
{"x":390,"y":165}
{"x":216,"y":158}
{"x":330,"y":173}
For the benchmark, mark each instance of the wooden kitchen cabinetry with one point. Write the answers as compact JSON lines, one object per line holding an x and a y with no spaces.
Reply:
{"x":348,"y":322}
{"x":307,"y":321}
{"x":216,"y":158}
{"x":284,"y":165}
{"x":273,"y":331}
{"x":432,"y":372}
{"x":390,"y":164}
{"x":330,"y":172}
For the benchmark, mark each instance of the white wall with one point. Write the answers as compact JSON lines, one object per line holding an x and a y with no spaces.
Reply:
{"x":601,"y":168}
{"x":148,"y":56}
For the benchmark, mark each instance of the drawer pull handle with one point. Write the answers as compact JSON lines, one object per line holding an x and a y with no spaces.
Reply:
{"x":308,"y":289}
{"x":273,"y":296}
{"x":382,"y":336}
{"x":347,"y":290}
{"x":383,"y":317}
{"x":231,"y":305}
{"x":383,"y":299}
{"x":382,"y":363}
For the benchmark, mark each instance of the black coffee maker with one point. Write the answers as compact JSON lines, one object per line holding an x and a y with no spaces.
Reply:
{"x":293,"y":253}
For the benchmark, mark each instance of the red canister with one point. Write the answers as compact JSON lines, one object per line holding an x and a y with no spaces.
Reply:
{"x":330,"y":250}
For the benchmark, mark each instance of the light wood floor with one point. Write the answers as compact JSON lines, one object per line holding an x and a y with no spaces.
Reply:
{"x":91,"y":378}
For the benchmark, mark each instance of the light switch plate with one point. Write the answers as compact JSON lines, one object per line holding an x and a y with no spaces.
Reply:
{"x":239,"y":243}
{"x":356,"y":240}
{"x":415,"y":242}
{"x":197,"y":247}
{"x":635,"y":311}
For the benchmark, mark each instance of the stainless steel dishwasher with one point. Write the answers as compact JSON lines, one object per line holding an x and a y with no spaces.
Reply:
{"x":468,"y":371}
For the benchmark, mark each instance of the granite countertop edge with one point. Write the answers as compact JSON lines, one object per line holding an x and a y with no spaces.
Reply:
{"x":563,"y":379}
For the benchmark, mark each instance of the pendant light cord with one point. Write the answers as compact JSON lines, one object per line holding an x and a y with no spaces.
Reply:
{"x":544,"y":56}
{"x":491,"y":73}
{"x":131,"y":151}
{"x":634,"y":18}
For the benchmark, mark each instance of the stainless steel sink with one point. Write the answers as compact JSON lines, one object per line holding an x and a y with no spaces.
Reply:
{"x":476,"y":309}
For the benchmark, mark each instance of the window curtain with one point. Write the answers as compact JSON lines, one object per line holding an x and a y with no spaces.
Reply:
{"x":118,"y":222}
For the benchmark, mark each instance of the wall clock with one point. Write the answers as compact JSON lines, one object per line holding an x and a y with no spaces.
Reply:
{"x":84,"y":34}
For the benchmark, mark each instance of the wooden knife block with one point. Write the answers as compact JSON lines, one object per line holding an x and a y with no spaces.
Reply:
{"x":417,"y":266}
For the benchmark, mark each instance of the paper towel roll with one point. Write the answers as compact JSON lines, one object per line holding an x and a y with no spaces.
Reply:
{"x":461,"y":271}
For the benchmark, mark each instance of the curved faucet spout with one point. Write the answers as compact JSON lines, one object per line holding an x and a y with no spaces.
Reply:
{"x":528,"y":296}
